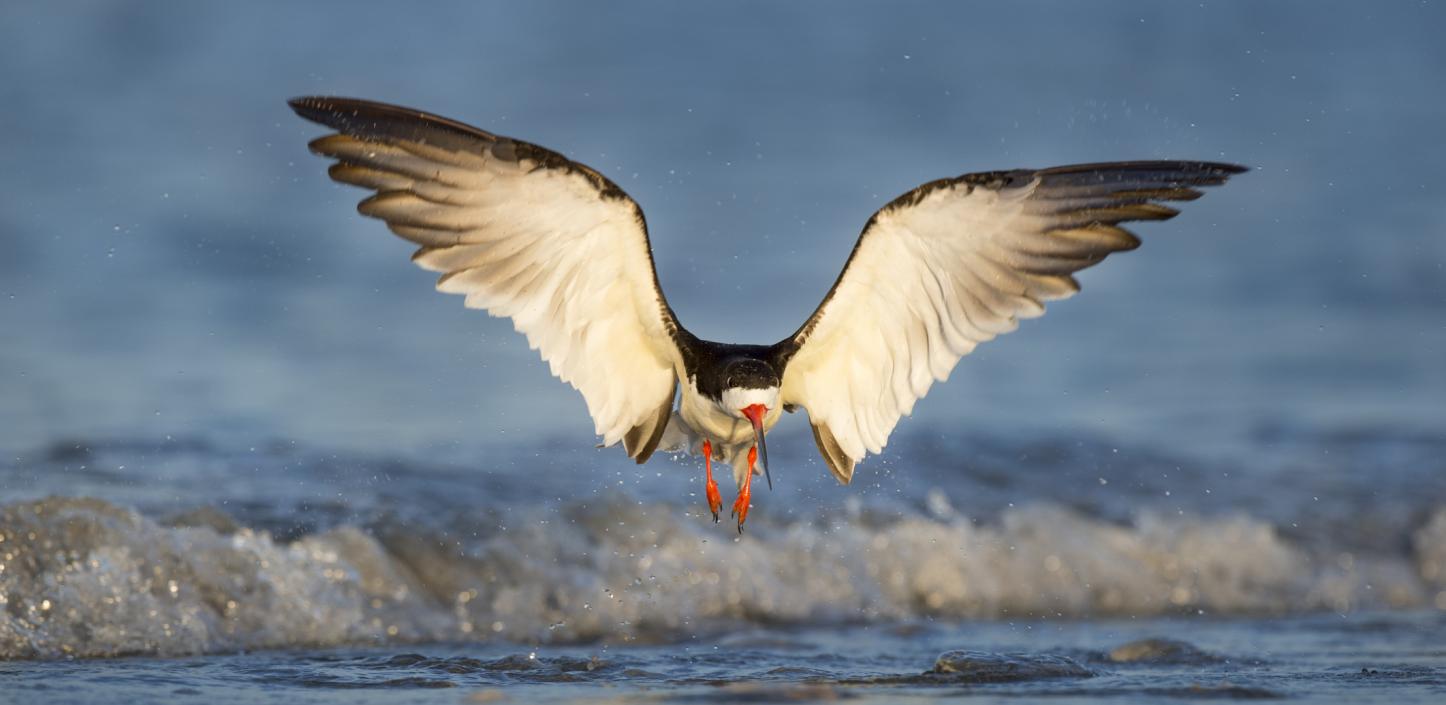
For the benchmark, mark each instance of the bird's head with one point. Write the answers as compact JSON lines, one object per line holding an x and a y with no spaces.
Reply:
{"x":750,"y":391}
{"x":748,"y":383}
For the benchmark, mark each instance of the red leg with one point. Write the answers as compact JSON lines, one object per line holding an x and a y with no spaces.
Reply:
{"x":745,"y":496}
{"x":715,"y":502}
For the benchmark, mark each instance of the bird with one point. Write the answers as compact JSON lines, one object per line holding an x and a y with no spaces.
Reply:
{"x":527,"y":234}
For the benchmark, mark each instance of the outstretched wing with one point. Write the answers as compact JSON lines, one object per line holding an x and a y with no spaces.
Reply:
{"x":950,"y":265}
{"x":524,"y":233}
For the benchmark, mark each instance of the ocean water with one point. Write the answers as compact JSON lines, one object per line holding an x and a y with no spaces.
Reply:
{"x":197,"y":571}
{"x":1301,"y":659}
{"x":246,"y":452}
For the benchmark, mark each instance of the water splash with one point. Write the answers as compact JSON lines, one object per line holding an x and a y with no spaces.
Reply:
{"x":82,"y":577}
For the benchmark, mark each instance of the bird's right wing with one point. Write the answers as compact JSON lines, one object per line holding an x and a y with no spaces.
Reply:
{"x":524,"y":233}
{"x":952,"y":264}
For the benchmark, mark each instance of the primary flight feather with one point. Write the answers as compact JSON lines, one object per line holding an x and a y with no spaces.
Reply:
{"x":527,"y":234}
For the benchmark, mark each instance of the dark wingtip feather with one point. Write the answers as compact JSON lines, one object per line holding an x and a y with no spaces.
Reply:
{"x":320,"y":109}
{"x":336,"y":111}
{"x":301,"y":103}
{"x":383,"y":122}
{"x":368,"y":119}
{"x":1160,"y":165}
{"x":1159,"y":194}
{"x":1168,"y":180}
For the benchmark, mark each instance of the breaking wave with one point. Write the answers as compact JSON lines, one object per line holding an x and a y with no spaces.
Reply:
{"x":82,"y":577}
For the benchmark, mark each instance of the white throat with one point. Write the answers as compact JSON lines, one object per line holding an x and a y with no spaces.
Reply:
{"x":736,"y":398}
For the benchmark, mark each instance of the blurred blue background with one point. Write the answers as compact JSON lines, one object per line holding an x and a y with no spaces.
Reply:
{"x":174,"y":262}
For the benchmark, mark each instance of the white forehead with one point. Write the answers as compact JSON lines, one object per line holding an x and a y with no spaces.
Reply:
{"x":736,"y":398}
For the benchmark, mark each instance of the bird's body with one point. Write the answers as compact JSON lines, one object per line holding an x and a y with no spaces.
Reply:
{"x":525,"y":233}
{"x":719,"y":379}
{"x":712,"y":372}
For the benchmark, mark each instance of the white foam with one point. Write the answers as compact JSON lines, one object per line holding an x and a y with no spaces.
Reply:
{"x":83,"y":577}
{"x":1429,"y":543}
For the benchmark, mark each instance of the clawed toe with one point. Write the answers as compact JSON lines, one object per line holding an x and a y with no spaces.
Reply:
{"x":740,"y":507}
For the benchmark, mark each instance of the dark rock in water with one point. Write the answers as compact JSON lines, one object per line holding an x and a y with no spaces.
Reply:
{"x":986,"y":667}
{"x":1160,"y":651}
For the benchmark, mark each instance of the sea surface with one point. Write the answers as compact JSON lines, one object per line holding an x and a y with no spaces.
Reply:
{"x":200,"y":571}
{"x":248,"y":454}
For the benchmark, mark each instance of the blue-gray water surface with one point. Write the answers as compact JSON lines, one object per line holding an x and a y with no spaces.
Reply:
{"x":248,"y":452}
{"x":1312,"y":659}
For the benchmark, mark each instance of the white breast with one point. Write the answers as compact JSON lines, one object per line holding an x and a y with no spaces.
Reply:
{"x":725,"y":424}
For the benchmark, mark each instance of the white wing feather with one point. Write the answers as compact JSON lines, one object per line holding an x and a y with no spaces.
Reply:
{"x":524,"y":234}
{"x":953,"y":264}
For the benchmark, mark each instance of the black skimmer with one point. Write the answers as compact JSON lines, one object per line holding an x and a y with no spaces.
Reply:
{"x":525,"y":233}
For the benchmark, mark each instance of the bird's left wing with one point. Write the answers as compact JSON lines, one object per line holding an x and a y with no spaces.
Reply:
{"x":524,"y":233}
{"x":952,"y":264}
